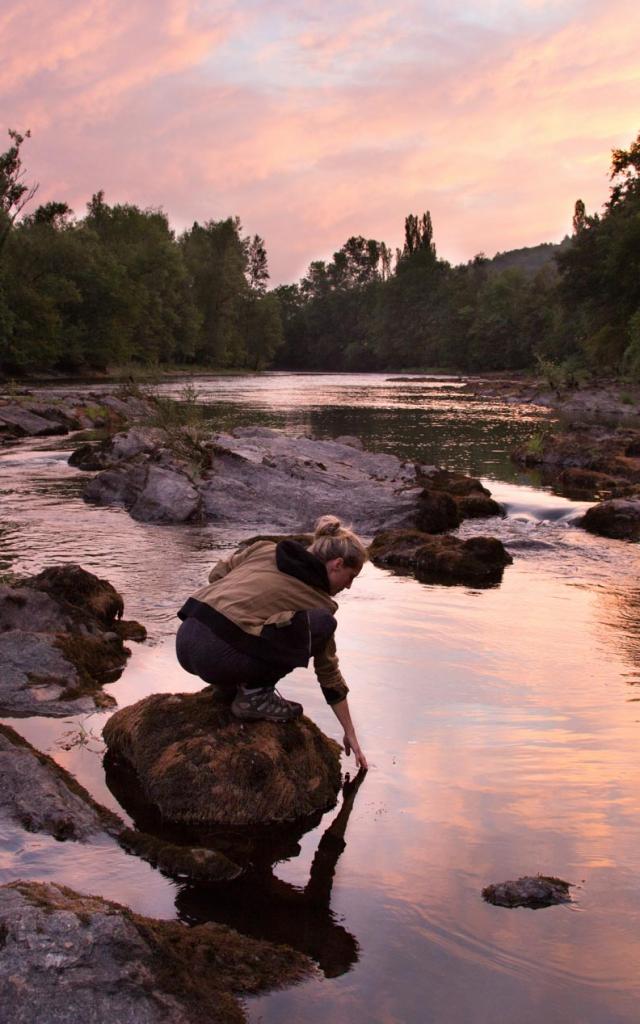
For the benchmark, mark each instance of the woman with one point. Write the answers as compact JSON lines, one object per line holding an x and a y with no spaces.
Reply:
{"x":268,"y":609}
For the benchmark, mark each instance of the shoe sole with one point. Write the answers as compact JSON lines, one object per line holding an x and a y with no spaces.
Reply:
{"x":255,"y":716}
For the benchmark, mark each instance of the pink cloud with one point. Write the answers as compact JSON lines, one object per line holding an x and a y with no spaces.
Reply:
{"x":327,"y":132}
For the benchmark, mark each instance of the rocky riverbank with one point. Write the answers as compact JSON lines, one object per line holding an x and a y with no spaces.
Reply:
{"x":588,"y":450}
{"x":259,"y":478}
{"x":25,"y":414}
{"x":61,"y":638}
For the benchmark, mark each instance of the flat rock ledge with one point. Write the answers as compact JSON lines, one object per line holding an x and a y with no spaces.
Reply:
{"x":618,"y":518}
{"x":68,"y":957}
{"x":30,"y":414}
{"x":586,"y":463}
{"x":61,"y":637}
{"x":197,"y":765}
{"x":532,"y":891}
{"x":479,"y":561}
{"x":256,"y":477}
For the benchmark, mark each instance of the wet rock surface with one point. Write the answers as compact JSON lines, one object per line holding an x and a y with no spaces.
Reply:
{"x":198,"y":765}
{"x":264,"y":478}
{"x":61,"y":638}
{"x":618,"y":518}
{"x":479,"y":561}
{"x":57,"y":412}
{"x":610,"y":454}
{"x":66,"y":957}
{"x":532,"y":891}
{"x":39,"y":795}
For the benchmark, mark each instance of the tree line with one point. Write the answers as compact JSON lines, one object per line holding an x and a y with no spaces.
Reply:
{"x":118,"y":286}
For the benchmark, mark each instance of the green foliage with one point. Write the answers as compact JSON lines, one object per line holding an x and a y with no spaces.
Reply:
{"x":117,"y":288}
{"x":536,"y":443}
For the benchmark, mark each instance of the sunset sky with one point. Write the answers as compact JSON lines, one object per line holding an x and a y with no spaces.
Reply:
{"x":313,"y":122}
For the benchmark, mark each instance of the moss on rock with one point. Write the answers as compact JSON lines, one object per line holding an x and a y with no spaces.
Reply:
{"x":197,"y":764}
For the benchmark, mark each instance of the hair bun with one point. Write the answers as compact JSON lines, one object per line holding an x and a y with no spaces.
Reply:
{"x":327,"y":526}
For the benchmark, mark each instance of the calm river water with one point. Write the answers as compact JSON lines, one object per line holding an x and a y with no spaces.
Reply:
{"x":501,"y":726}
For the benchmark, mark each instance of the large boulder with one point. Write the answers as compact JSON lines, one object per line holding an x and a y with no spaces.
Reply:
{"x":257,"y":477}
{"x":61,"y":639}
{"x":151,"y":492}
{"x":478,"y":561}
{"x":617,"y":517}
{"x":67,"y":957}
{"x":198,"y":765}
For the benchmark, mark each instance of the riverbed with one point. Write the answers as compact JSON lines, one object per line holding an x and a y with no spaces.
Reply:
{"x":501,"y":726}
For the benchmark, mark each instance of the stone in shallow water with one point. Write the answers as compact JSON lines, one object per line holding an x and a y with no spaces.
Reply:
{"x":61,"y":638}
{"x":197,"y":765}
{"x":69,"y":957}
{"x":479,"y":561}
{"x":533,"y":891}
{"x":618,"y":518}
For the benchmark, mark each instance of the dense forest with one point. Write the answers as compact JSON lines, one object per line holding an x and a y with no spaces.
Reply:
{"x":118,"y":287}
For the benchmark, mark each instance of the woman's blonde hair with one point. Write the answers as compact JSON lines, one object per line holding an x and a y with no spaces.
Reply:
{"x":333,"y":540}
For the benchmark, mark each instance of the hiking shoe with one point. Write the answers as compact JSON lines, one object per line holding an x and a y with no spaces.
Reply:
{"x":264,"y":704}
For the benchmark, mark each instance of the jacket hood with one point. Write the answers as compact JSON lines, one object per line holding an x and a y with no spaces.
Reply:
{"x":294,"y":560}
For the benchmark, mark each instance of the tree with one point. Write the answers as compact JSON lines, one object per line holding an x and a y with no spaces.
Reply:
{"x":257,"y":269}
{"x":15,"y":194}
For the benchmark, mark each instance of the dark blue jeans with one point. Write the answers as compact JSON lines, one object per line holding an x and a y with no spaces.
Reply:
{"x":204,"y":654}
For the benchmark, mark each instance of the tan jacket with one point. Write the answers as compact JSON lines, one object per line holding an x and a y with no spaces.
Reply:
{"x":249,"y":590}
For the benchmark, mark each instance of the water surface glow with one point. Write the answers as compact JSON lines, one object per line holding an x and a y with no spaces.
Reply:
{"x":502,"y":726}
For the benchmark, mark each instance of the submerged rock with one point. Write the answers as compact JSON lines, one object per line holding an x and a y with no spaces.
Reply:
{"x":61,"y":638}
{"x":618,"y":518}
{"x":66,"y":957}
{"x":533,"y":891}
{"x":197,"y":764}
{"x":478,"y":561}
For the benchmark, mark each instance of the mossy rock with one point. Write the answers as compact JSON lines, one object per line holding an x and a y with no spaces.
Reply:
{"x":198,"y":765}
{"x":478,"y":561}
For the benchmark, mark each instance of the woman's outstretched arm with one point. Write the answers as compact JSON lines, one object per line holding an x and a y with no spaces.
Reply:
{"x":350,"y":740}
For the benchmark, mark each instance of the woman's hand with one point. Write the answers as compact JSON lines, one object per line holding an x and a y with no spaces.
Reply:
{"x":349,"y":740}
{"x":351,"y":746}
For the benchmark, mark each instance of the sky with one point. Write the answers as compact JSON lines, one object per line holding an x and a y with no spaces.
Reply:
{"x":313,"y":122}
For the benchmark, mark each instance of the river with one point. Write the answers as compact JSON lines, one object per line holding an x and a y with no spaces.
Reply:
{"x":501,"y":726}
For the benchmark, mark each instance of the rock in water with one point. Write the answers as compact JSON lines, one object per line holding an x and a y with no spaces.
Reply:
{"x":479,"y":561}
{"x":61,"y":638}
{"x":42,"y":797}
{"x":533,"y":891}
{"x":67,"y":957}
{"x":618,"y":518}
{"x":197,"y":764}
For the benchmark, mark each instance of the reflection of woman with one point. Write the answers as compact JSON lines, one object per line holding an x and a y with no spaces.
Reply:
{"x":266,"y":610}
{"x":264,"y":906}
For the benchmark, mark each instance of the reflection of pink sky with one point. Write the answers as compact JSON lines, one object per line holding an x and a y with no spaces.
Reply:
{"x":313,"y":127}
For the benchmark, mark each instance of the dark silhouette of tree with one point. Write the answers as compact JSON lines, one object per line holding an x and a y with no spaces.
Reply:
{"x":15,"y":194}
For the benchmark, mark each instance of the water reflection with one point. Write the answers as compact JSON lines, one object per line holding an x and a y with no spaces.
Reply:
{"x":266,"y":907}
{"x":498,"y":723}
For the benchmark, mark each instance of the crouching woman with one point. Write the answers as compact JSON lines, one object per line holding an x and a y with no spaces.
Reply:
{"x":266,"y":610}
